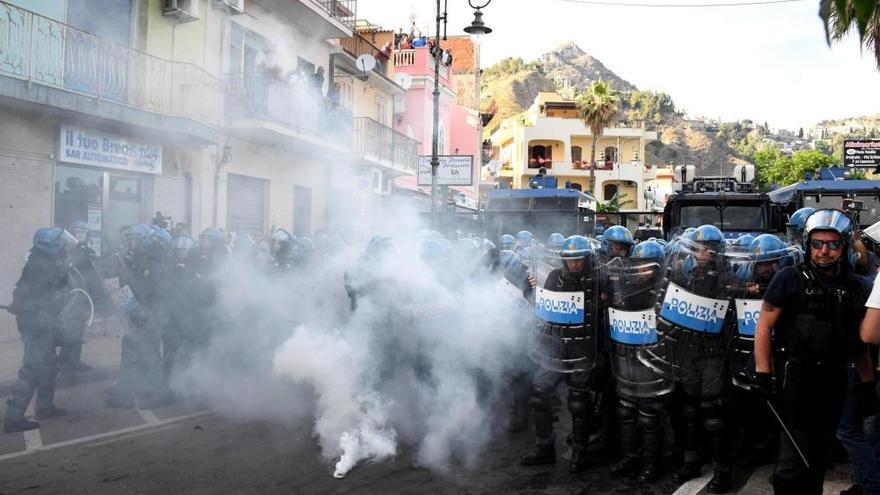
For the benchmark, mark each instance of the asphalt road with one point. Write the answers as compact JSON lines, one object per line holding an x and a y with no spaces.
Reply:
{"x":186,"y":449}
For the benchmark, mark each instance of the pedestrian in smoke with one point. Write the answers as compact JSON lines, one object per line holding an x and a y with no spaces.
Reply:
{"x":318,"y":80}
{"x":813,"y":310}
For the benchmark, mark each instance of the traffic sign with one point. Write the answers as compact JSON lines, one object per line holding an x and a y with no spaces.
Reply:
{"x":453,"y":170}
{"x":861,"y":153}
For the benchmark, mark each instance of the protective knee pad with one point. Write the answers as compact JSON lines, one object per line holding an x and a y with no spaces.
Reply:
{"x":713,"y":426}
{"x":579,"y":402}
{"x":541,"y":398}
{"x":650,"y":420}
{"x":626,"y":412}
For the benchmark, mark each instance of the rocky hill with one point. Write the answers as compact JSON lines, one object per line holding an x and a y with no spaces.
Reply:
{"x":510,"y":87}
{"x":572,"y":70}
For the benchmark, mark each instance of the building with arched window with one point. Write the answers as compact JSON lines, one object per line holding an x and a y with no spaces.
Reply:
{"x":551,"y":136}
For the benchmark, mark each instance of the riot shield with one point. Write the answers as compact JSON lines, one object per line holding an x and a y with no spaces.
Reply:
{"x":692,"y":312}
{"x":632,"y":287}
{"x":563,"y":337}
{"x":766,"y":256}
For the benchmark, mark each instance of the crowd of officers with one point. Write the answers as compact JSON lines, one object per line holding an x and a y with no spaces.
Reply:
{"x":745,"y":350}
{"x":162,"y":290}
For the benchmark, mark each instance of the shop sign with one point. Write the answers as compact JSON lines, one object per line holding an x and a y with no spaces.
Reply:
{"x":99,"y":149}
{"x":453,"y":170}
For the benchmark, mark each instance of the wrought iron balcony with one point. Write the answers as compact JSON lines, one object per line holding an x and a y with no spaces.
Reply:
{"x":302,"y":109}
{"x":386,"y":146}
{"x":344,"y":10}
{"x":43,"y":51}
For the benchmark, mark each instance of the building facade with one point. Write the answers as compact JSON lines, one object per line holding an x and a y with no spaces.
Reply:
{"x":214,"y":113}
{"x":550,"y":137}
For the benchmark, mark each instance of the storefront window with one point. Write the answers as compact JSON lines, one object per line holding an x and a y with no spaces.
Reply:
{"x":79,"y":196}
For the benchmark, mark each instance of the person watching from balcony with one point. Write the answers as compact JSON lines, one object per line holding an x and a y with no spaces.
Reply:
{"x":335,"y":95}
{"x":398,"y":38}
{"x":447,"y":58}
{"x":318,"y":81}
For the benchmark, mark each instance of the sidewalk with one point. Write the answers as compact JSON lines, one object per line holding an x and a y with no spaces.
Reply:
{"x":102,"y":350}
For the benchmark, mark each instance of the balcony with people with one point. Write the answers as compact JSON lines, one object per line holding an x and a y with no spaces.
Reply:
{"x":415,"y":54}
{"x":268,"y":103}
{"x":48,"y":62}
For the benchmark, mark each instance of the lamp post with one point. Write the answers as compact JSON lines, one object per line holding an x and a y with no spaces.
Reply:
{"x":476,"y":29}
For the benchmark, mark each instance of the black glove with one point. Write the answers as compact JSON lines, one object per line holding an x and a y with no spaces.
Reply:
{"x":867,"y":396}
{"x":763,"y":385}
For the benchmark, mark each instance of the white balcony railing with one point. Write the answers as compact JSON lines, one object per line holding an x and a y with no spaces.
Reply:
{"x":50,"y":53}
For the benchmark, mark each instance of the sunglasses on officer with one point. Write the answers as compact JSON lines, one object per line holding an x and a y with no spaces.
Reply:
{"x":819,"y":244}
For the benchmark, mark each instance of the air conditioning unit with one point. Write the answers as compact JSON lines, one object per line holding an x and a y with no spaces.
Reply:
{"x":234,"y":6}
{"x":183,"y":10}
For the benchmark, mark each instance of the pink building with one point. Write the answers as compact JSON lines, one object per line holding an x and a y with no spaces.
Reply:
{"x":459,"y":126}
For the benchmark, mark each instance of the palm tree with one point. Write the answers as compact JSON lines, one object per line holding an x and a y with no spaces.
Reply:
{"x":840,"y":16}
{"x":598,"y":108}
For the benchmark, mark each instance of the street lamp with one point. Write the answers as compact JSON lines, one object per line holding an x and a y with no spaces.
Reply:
{"x":476,"y":29}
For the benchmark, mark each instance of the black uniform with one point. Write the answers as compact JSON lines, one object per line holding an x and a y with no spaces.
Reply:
{"x":82,"y":259}
{"x":141,"y":373}
{"x":581,"y":384}
{"x":701,"y":358}
{"x":38,"y":300}
{"x":815,"y":337}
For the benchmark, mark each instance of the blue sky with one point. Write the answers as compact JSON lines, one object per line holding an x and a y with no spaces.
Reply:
{"x":766,"y":63}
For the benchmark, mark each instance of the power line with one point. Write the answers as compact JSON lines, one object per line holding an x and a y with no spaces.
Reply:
{"x":679,"y":5}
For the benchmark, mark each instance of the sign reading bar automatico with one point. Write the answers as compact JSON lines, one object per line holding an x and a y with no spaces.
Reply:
{"x":99,"y":149}
{"x":862,"y":153}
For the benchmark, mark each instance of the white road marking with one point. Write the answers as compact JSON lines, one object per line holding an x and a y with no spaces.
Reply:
{"x":101,"y":436}
{"x":32,"y":439}
{"x":694,"y":486}
{"x":148,"y":416}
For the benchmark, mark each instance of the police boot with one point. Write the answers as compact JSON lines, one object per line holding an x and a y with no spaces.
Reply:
{"x":580,"y":408}
{"x":15,"y":420}
{"x":46,"y":400}
{"x":721,"y":481}
{"x":543,"y":453}
{"x":715,"y":429}
{"x":629,"y":441}
{"x":691,"y":431}
{"x":651,"y":424}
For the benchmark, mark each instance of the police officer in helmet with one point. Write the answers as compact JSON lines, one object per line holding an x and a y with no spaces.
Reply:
{"x":633,"y":288}
{"x":38,"y":300}
{"x":576,"y":277}
{"x":82,"y":259}
{"x":813,"y":309}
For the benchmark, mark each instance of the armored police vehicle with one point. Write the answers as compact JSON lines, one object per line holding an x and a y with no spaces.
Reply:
{"x":732,"y":204}
{"x":541,"y":211}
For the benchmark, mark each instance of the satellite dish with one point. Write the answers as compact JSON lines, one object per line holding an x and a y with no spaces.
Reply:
{"x":403,"y":80}
{"x":365,"y":63}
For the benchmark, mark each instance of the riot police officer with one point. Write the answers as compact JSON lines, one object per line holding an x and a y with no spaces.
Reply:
{"x":524,"y":240}
{"x":140,"y":371}
{"x":281,"y":249}
{"x":633,"y":288}
{"x":571,"y":359}
{"x":691,"y":350}
{"x":506,"y":242}
{"x":794,"y":228}
{"x":814,"y":310}
{"x":766,"y":255}
{"x":617,"y":242}
{"x":38,"y":301}
{"x":82,"y":259}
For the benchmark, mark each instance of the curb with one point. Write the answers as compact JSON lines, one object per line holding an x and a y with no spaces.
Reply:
{"x":67,"y":381}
